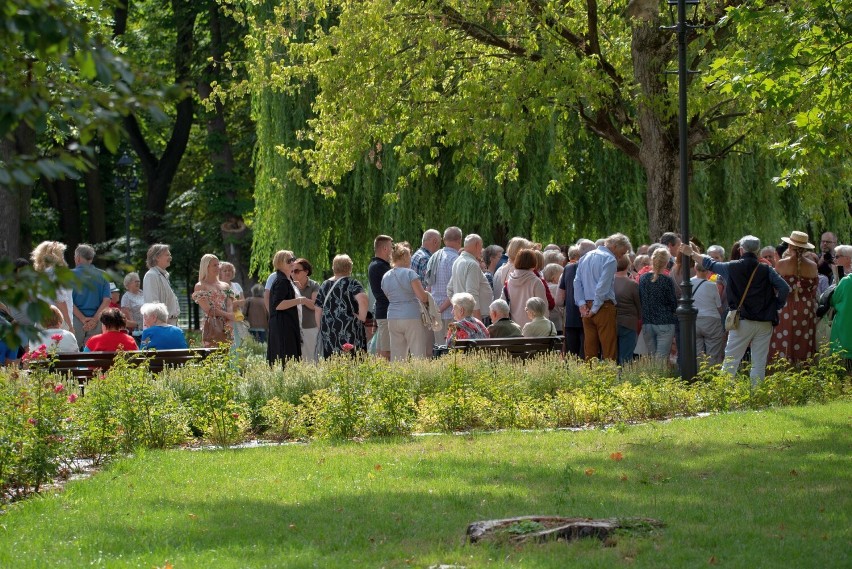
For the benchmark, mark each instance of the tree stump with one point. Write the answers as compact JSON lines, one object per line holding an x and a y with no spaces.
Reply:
{"x":538,"y":529}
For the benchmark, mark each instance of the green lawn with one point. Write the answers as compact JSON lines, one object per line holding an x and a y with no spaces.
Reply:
{"x":753,"y":489}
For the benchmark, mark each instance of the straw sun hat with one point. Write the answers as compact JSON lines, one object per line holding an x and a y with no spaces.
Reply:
{"x":798,"y":239}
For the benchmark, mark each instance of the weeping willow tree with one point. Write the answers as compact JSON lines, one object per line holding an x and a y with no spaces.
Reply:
{"x":350,"y":146}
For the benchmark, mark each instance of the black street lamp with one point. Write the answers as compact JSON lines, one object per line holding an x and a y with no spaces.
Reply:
{"x":686,"y":312}
{"x":126,"y":179}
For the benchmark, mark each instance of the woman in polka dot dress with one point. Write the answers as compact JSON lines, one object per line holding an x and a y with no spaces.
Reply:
{"x":795,"y":336}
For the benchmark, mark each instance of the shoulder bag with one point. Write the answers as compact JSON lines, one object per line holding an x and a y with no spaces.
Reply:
{"x":732,"y":319}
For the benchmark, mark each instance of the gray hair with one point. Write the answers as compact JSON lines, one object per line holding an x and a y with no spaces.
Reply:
{"x":430,"y":234}
{"x":154,"y":251}
{"x":551,"y":270}
{"x":554,"y":256}
{"x":500,"y":307}
{"x":466,"y":301}
{"x":156,"y":309}
{"x":130,"y":277}
{"x":716,"y":249}
{"x":257,"y":290}
{"x":750,"y":244}
{"x":85,"y":252}
{"x":490,"y":252}
{"x":536,"y":305}
{"x":845,"y":250}
{"x":618,"y":240}
{"x":471,"y":239}
{"x":452,"y":234}
{"x":585,"y":245}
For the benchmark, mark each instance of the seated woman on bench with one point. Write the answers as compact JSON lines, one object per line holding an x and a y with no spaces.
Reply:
{"x":158,"y":334}
{"x":114,"y":336}
{"x":466,"y":326}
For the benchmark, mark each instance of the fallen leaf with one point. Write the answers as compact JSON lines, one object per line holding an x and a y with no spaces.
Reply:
{"x":292,"y":526}
{"x":616,"y":456}
{"x":624,"y":478}
{"x":378,"y":467}
{"x":793,"y":473}
{"x":713,"y":560}
{"x":589,"y":471}
{"x":193,"y":516}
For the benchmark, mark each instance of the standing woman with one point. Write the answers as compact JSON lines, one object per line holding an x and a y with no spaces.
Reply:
{"x":343,"y":311}
{"x":403,"y":288}
{"x":46,"y":256}
{"x":216,"y":302}
{"x":794,"y":338}
{"x":521,"y":285}
{"x":841,"y":331}
{"x":156,"y":286}
{"x":308,"y":288}
{"x":285,"y":339}
{"x":131,"y":304}
{"x":659,"y":302}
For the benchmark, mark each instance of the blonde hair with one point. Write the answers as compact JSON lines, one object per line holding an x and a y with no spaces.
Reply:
{"x":514,"y":247}
{"x":341,"y":265}
{"x":659,"y":260}
{"x":205,"y":264}
{"x":280,"y":258}
{"x":48,"y":254}
{"x":400,"y":251}
{"x":54,"y":319}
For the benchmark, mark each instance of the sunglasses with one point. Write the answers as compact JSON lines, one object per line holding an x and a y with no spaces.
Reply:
{"x":291,"y":260}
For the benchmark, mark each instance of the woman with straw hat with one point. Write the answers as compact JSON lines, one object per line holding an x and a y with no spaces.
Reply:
{"x":795,"y":336}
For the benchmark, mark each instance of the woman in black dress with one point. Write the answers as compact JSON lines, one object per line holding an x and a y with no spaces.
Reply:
{"x":285,"y":338}
{"x":344,"y":309}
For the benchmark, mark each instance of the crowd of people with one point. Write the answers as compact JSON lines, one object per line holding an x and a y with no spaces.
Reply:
{"x":608,"y":300}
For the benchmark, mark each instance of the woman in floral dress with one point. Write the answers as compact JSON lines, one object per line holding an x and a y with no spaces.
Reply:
{"x":794,"y":338}
{"x":216,"y":302}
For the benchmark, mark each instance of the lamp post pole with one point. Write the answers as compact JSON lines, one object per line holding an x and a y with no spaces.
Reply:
{"x":686,"y":312}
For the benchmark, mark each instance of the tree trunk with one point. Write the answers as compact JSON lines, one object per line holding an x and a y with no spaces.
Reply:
{"x":63,"y":197}
{"x":97,"y":208}
{"x":15,"y":234}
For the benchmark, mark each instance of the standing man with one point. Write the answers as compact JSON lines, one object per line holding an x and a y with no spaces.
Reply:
{"x":379,"y":265}
{"x":467,"y":276}
{"x":594,"y":295}
{"x":439,"y":271}
{"x":430,"y":243}
{"x":764,"y":297}
{"x":827,"y":243}
{"x":156,"y":286}
{"x":91,"y":294}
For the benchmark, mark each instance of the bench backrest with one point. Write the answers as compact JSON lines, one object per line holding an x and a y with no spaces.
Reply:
{"x":516,"y":347}
{"x":83,"y":365}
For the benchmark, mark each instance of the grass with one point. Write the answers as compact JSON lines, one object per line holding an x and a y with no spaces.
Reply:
{"x":749,"y":489}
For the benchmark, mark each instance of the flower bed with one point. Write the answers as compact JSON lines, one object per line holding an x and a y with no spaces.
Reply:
{"x":45,"y":424}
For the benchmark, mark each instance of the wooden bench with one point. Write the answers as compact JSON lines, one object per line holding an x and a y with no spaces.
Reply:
{"x":516,"y":347}
{"x":83,"y":365}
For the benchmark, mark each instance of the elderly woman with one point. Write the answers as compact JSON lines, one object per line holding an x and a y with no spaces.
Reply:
{"x":257,"y":313}
{"x":285,"y":335}
{"x":53,"y":333}
{"x":158,"y":333}
{"x":523,"y":284}
{"x":841,"y":331}
{"x":501,"y":275}
{"x":215,"y":300}
{"x":156,"y":286}
{"x":113,"y":338}
{"x":405,"y":292}
{"x":308,"y":288}
{"x":465,"y":325}
{"x":539,"y":324}
{"x":344,"y":309}
{"x":131,"y":302}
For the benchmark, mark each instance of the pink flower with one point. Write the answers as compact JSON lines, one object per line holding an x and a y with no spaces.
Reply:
{"x":72,"y":398}
{"x":58,"y":388}
{"x":32,"y":421}
{"x":56,"y":337}
{"x":347,"y":347}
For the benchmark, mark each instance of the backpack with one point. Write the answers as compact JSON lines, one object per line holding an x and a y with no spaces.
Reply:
{"x":824,"y":304}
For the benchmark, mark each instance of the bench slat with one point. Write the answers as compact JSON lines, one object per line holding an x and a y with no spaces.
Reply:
{"x":516,"y":347}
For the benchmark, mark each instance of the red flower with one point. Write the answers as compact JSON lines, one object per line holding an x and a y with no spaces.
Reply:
{"x":347,"y":347}
{"x":32,"y":421}
{"x":72,"y":398}
{"x":58,"y":388}
{"x":56,"y":337}
{"x":235,"y":415}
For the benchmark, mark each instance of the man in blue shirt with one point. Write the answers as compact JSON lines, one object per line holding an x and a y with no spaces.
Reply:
{"x":91,"y":294}
{"x":594,"y":295}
